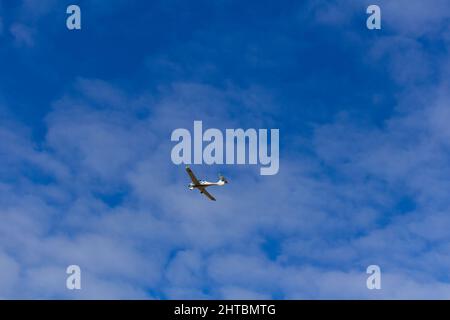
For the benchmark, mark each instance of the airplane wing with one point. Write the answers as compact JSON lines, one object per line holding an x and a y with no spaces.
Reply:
{"x":206,"y":193}
{"x":191,"y":174}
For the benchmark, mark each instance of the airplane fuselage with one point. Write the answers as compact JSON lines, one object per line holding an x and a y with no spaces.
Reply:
{"x":204,"y":184}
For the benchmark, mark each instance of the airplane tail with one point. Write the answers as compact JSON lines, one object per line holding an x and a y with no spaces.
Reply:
{"x":222,"y":178}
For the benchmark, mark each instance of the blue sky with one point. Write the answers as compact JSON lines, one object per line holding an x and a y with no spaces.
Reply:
{"x":86,"y":176}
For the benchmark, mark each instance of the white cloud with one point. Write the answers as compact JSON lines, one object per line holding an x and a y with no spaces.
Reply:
{"x":23,"y":35}
{"x":149,"y":244}
{"x":160,"y":239}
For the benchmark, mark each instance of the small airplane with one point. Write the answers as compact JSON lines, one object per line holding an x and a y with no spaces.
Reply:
{"x":202,"y":184}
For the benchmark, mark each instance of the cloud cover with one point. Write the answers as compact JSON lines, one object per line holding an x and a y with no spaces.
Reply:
{"x":98,"y":188}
